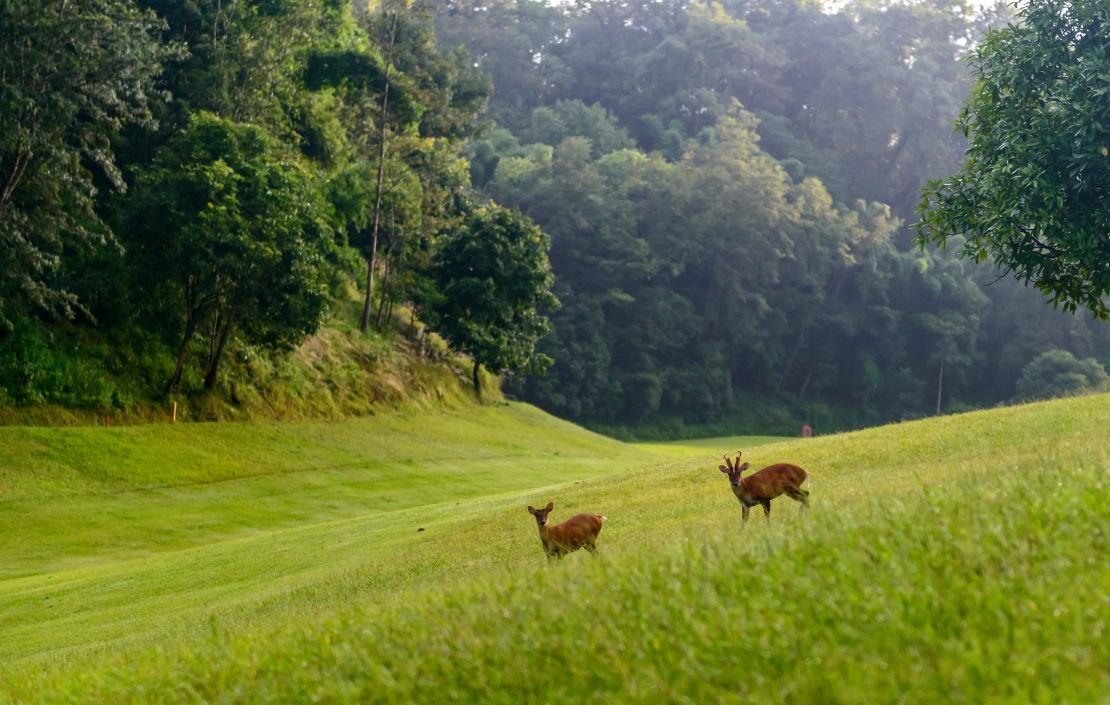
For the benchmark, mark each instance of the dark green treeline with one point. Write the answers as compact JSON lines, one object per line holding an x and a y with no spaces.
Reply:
{"x":728,"y":186}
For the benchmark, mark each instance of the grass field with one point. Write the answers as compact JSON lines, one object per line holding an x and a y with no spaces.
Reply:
{"x":702,"y":446}
{"x":959,"y":559}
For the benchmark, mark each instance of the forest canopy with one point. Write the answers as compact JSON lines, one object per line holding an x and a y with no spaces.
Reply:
{"x":688,"y":212}
{"x":729,"y":187}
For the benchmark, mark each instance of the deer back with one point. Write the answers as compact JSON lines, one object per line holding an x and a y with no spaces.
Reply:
{"x":576,"y":531}
{"x":773,"y":480}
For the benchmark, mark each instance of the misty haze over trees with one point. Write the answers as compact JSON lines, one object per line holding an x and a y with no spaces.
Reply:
{"x":726,"y":191}
{"x":729,"y":186}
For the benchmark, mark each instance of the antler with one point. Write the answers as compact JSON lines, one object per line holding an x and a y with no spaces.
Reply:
{"x":733,"y":464}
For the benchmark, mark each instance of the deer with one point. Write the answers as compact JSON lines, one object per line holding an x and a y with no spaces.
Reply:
{"x":580,"y":531}
{"x":766,"y":484}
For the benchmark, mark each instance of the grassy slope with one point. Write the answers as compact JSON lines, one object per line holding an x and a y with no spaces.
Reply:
{"x":114,"y":533}
{"x":701,"y":446}
{"x":957,"y":559}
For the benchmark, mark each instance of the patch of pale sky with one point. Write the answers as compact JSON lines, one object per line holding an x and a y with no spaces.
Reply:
{"x":832,"y":4}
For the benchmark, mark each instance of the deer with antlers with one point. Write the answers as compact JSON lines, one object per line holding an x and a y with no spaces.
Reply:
{"x":763,"y":486}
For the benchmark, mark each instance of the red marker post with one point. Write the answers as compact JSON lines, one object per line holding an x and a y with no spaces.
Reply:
{"x":807,"y":431}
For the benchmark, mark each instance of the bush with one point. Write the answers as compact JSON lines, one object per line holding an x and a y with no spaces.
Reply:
{"x":37,"y":367}
{"x":1059,"y":373}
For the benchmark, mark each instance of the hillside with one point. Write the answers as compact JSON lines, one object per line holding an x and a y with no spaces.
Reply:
{"x":76,"y":377}
{"x":287,"y":564}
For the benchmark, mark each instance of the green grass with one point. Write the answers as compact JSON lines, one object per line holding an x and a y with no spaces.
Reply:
{"x":960,"y":559}
{"x":72,"y":375}
{"x":697,"y":446}
{"x":138,"y":530}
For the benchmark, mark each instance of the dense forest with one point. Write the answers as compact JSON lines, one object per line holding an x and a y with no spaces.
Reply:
{"x":189,"y":181}
{"x":700,"y":210}
{"x":729,"y":188}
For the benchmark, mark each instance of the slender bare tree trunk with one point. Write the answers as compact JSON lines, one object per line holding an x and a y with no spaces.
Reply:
{"x":368,"y":306}
{"x":940,"y":381}
{"x":387,"y":271}
{"x":805,"y":384}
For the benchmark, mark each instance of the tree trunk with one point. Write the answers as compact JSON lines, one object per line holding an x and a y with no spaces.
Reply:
{"x":217,"y":353}
{"x":190,"y":330}
{"x":386,"y":296}
{"x":385,"y":288}
{"x":805,"y":384}
{"x":389,"y":311}
{"x":192,"y":317}
{"x":793,"y":354}
{"x":477,"y":380}
{"x":940,"y":382}
{"x":368,"y":306}
{"x":22,"y":159}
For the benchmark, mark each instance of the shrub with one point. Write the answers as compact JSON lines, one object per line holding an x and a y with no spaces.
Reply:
{"x":1059,"y":373}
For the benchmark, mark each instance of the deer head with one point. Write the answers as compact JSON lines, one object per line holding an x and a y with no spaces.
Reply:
{"x":733,"y":469}
{"x":541,"y":514}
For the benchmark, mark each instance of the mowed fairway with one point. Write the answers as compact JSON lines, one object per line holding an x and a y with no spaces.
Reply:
{"x":166,"y":530}
{"x":959,"y":559}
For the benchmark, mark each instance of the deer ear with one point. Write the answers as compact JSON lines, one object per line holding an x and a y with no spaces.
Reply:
{"x":743,"y":467}
{"x":531,"y":509}
{"x":550,"y":506}
{"x":723,"y":468}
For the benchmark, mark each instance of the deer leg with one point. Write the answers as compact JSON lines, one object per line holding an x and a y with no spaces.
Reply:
{"x":745,"y":509}
{"x":799,"y":496}
{"x":766,"y":509}
{"x":591,"y":547}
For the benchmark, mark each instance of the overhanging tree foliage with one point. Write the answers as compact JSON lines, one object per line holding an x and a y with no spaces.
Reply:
{"x":72,"y":75}
{"x":1034,"y":195}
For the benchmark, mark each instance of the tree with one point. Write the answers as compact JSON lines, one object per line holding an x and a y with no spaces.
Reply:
{"x":404,"y":101}
{"x":1057,"y":373}
{"x":493,"y":282}
{"x":71,"y":76}
{"x":229,"y":226}
{"x":1034,"y":194}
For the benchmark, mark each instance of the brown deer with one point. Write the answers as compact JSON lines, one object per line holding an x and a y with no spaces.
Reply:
{"x":763,"y":486}
{"x":580,"y":531}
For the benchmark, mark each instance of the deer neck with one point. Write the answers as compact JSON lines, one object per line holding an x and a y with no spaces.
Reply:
{"x":742,"y":493}
{"x":545,"y":535}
